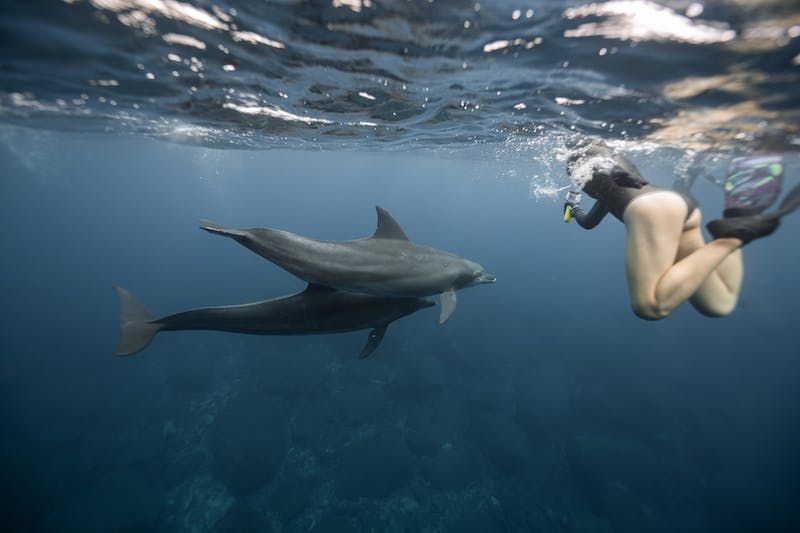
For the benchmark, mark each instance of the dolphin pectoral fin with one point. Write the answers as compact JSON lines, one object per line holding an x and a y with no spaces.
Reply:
{"x":373,"y":341}
{"x":388,"y":228}
{"x":448,"y":305}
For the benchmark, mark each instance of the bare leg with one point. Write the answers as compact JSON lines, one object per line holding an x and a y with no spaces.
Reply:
{"x":718,"y":294}
{"x":657,"y":284}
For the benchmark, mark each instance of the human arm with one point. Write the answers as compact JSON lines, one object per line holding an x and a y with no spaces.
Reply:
{"x":592,"y":218}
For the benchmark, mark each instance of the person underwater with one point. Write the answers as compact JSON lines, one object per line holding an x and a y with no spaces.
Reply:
{"x":667,"y":260}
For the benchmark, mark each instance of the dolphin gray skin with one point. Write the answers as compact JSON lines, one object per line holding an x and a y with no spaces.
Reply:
{"x":316,"y":310}
{"x":385,"y":264}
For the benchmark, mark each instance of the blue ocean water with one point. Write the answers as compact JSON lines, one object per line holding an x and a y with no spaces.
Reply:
{"x":543,"y":404}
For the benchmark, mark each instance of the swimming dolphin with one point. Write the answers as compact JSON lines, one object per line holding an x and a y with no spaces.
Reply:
{"x":315,"y":310}
{"x":385,"y":264}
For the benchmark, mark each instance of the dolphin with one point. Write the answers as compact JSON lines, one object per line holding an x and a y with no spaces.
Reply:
{"x":315,"y":310}
{"x":384,"y":264}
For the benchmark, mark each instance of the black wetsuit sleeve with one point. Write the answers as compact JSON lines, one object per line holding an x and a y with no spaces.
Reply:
{"x":592,"y":218}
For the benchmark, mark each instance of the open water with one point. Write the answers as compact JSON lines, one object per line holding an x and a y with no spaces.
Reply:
{"x":544,"y":404}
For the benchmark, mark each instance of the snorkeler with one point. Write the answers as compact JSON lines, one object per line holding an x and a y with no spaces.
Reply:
{"x":667,"y":260}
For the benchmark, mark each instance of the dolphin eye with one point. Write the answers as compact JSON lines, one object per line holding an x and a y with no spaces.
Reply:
{"x":445,"y":265}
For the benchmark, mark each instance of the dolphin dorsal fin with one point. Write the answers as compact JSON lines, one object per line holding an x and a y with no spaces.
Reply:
{"x":388,"y":228}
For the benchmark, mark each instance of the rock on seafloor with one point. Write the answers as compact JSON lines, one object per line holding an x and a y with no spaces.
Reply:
{"x":249,"y":439}
{"x":374,"y":465}
{"x":242,"y":518}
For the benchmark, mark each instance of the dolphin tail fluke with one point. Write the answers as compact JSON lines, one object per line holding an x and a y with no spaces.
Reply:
{"x":219,"y":229}
{"x":136,"y":329}
{"x":373,"y":341}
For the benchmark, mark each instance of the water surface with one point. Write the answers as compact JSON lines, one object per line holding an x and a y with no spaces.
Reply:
{"x":544,"y":404}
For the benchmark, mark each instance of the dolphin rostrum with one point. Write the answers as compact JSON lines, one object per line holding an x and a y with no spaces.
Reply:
{"x":384,"y":264}
{"x":316,"y":310}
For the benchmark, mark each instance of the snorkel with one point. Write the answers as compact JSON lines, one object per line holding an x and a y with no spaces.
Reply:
{"x":578,"y":179}
{"x":572,"y":200}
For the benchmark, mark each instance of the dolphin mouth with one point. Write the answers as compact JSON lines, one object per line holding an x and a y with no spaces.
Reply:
{"x":485,"y":278}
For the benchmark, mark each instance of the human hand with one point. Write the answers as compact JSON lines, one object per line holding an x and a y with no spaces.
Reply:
{"x":572,"y":200}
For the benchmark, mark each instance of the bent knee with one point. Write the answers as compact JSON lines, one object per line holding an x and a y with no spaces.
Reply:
{"x":650,"y":310}
{"x":717,"y":309}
